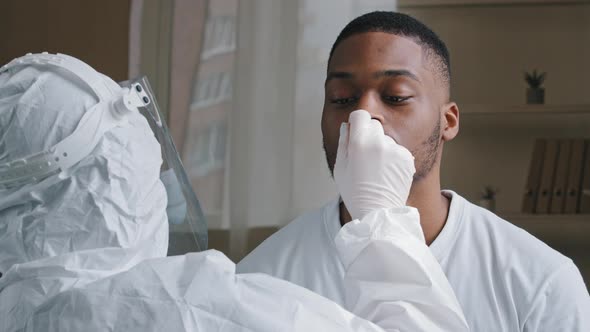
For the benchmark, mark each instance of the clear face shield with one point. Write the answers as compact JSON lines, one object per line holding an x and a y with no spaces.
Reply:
{"x":184,"y":212}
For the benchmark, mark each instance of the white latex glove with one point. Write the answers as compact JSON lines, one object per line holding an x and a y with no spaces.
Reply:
{"x":372,"y":171}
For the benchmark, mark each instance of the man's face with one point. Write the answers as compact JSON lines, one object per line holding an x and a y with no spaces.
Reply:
{"x":390,"y":77}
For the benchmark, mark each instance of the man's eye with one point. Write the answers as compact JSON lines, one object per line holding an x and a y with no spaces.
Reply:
{"x":396,"y":99}
{"x":342,"y":101}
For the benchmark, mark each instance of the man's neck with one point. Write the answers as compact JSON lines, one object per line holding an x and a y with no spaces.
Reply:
{"x":426,"y":196}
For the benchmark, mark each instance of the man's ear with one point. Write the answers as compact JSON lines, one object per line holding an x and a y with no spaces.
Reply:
{"x":450,"y":121}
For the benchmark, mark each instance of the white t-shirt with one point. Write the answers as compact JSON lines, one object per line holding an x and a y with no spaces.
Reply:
{"x":504,"y":278}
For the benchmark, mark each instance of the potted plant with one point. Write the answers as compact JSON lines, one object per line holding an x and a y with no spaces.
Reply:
{"x":535,"y":94}
{"x":487,"y":198}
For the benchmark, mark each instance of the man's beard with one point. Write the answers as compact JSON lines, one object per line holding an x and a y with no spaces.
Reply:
{"x":425,"y":154}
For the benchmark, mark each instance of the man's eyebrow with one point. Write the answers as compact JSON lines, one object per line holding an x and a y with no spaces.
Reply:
{"x":338,"y":74}
{"x":395,"y":73}
{"x":381,"y":73}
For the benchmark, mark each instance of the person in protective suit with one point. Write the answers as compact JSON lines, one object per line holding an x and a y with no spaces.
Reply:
{"x":84,"y":227}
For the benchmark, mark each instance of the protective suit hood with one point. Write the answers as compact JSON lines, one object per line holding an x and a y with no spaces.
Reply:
{"x":111,"y":204}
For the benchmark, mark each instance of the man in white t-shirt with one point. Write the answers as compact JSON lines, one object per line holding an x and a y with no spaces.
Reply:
{"x":398,"y":70}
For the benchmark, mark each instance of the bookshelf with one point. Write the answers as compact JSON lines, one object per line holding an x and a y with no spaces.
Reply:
{"x":565,"y":230}
{"x":492,"y":42}
{"x":536,"y":119}
{"x":494,"y":147}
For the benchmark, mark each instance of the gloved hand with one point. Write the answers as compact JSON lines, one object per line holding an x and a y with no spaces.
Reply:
{"x":372,"y":171}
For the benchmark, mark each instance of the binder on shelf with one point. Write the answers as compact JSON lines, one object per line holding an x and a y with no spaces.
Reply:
{"x":561,"y":174}
{"x":574,"y":181}
{"x":585,"y":193}
{"x":547,"y":177}
{"x":531,"y":191}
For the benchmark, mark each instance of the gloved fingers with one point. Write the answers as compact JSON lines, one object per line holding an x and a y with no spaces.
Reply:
{"x":406,"y":153}
{"x":402,"y":150}
{"x":358,"y":121}
{"x":342,"y":151}
{"x":376,"y":128}
{"x":403,"y":154}
{"x":390,"y":141}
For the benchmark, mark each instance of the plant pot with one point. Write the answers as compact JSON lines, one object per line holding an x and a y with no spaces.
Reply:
{"x":489,"y":204}
{"x":535,"y":96}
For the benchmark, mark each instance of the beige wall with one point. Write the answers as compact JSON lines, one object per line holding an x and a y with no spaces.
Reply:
{"x":432,"y":3}
{"x":491,"y":47}
{"x":95,"y":31}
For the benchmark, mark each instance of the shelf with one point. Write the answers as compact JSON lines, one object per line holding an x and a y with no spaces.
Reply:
{"x":549,"y":219}
{"x":416,"y":4}
{"x":575,"y":118}
{"x":563,"y":230}
{"x":525,"y":109}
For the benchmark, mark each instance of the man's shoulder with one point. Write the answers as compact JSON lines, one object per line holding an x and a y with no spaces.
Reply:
{"x":487,"y":256}
{"x":512,"y":242}
{"x":547,"y":287}
{"x":304,"y":233}
{"x":523,"y":262}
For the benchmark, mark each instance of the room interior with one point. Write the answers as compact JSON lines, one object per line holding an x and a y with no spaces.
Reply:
{"x":240,"y":84}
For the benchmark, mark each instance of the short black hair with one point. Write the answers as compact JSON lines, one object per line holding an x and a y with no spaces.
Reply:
{"x":401,"y":25}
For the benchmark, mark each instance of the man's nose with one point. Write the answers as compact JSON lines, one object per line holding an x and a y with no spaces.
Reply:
{"x":371,"y":103}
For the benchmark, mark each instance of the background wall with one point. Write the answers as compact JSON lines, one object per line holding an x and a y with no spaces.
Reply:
{"x":492,"y":43}
{"x":96,"y":32}
{"x":491,"y":46}
{"x":271,"y":166}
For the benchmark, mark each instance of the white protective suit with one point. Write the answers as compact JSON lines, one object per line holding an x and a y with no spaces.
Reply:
{"x":84,"y":250}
